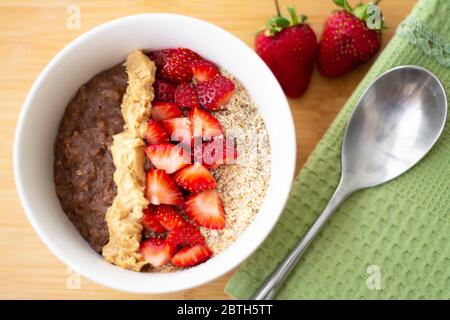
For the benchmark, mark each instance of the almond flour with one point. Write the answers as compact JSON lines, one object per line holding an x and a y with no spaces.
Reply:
{"x":241,"y":185}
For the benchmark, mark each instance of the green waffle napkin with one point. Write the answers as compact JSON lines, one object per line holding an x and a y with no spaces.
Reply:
{"x":387,"y":242}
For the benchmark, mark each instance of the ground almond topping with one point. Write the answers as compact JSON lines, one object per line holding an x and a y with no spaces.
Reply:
{"x":124,"y":215}
{"x":242,"y":185}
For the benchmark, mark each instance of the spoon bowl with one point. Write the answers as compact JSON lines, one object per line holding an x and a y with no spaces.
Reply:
{"x":395,"y":123}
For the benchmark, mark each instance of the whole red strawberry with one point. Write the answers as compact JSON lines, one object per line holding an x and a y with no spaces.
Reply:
{"x":347,"y":40}
{"x":289,"y":49}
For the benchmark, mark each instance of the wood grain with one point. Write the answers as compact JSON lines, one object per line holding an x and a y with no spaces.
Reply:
{"x":32,"y":32}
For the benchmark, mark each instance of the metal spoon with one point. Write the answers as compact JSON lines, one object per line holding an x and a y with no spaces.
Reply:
{"x":395,"y":123}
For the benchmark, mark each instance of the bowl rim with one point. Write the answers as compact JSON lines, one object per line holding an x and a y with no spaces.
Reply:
{"x":290,"y":156}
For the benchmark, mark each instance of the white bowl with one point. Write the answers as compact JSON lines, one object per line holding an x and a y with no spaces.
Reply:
{"x":97,"y":50}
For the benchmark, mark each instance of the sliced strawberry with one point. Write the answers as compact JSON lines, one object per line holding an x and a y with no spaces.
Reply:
{"x":169,"y":217}
{"x":159,"y":57}
{"x":164,"y":91}
{"x":206,"y":209}
{"x":167,"y":157}
{"x":162,"y":189}
{"x":188,"y":257}
{"x":165,"y":110}
{"x":204,"y":124}
{"x":215,"y":93}
{"x":195,"y":178}
{"x":155,"y":133}
{"x":179,"y":129}
{"x":185,"y":235}
{"x":156,"y":251}
{"x":186,"y":96}
{"x":204,"y":70}
{"x":214,"y":153}
{"x":178,"y":65}
{"x":149,"y":220}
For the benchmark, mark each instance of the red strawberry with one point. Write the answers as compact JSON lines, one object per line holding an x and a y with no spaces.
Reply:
{"x":215,"y":93}
{"x":164,"y":91}
{"x":346,"y":40}
{"x":186,"y":96}
{"x":156,"y":251}
{"x":206,"y":209}
{"x":169,"y":217}
{"x":178,"y":65}
{"x":188,"y":257}
{"x":204,"y":124}
{"x":162,"y":189}
{"x":150,"y":222}
{"x":159,"y":57}
{"x":185,"y":235}
{"x":167,"y":157}
{"x":214,"y":153}
{"x":289,"y":50}
{"x":179,"y":129}
{"x":165,"y":110}
{"x":155,"y":133}
{"x":204,"y":70}
{"x":195,"y":178}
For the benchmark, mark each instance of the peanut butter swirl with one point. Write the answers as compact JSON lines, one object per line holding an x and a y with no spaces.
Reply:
{"x":124,"y":215}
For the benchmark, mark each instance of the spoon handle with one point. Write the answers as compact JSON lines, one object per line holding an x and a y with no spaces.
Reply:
{"x":270,"y":286}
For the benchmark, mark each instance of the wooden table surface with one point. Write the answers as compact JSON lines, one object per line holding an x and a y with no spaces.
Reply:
{"x":32,"y":32}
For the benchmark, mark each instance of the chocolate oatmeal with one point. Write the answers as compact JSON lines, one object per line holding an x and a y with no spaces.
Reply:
{"x":83,"y":167}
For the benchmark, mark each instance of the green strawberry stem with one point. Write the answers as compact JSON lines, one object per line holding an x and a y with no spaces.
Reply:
{"x":293,"y":15}
{"x":343,"y":4}
{"x":278,"y":23}
{"x":277,"y":6}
